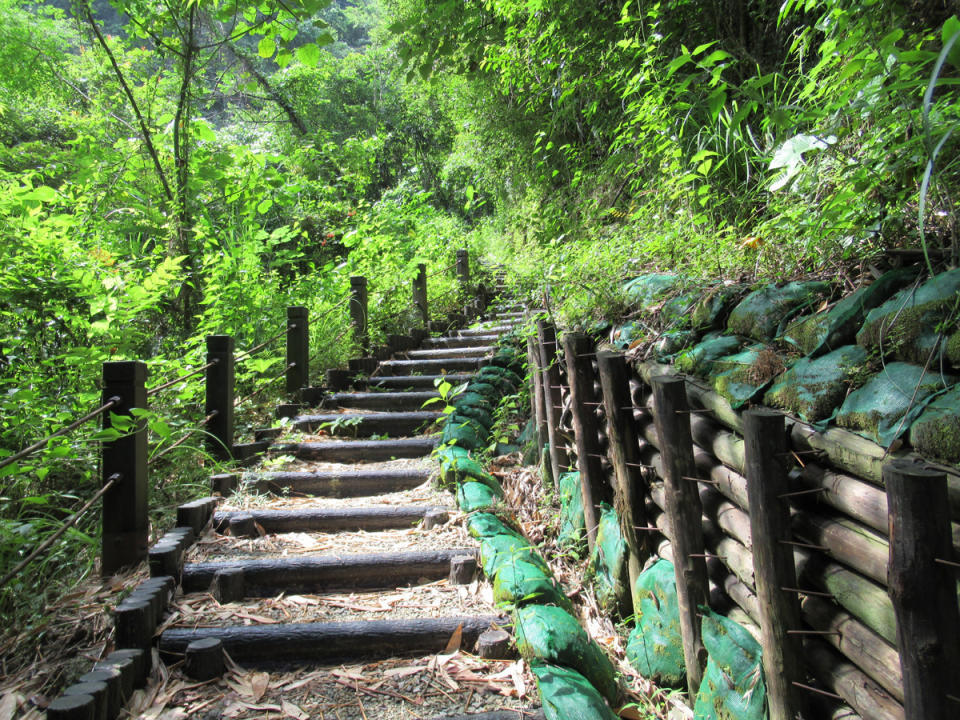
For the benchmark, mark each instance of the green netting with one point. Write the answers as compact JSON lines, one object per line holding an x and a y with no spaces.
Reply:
{"x":655,"y":647}
{"x":740,"y":378}
{"x":673,"y":342}
{"x":761,"y":314}
{"x":486,"y":390}
{"x":572,"y":525}
{"x":464,"y":432}
{"x":477,"y":415}
{"x":462,"y":469}
{"x":890,"y":401}
{"x":608,"y":563}
{"x":481,"y":525}
{"x":498,"y":550}
{"x":500,"y":384}
{"x":699,"y":359}
{"x":476,"y":496}
{"x":714,"y":305}
{"x":838,"y":326}
{"x":568,"y":695}
{"x":732,"y":687}
{"x":488,"y":371}
{"x":472,"y":399}
{"x":676,"y":311}
{"x":813,"y":388}
{"x":645,"y":290}
{"x":905,"y":326}
{"x":553,"y":635}
{"x":625,"y":335}
{"x":937,"y":431}
{"x":520,"y":583}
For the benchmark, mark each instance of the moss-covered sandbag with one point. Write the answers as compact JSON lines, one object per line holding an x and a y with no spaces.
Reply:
{"x":741,"y":377}
{"x":478,"y":415}
{"x":573,"y":527}
{"x":645,"y":290}
{"x":508,"y":547}
{"x":699,"y":359}
{"x":627,"y":335}
{"x":500,"y":384}
{"x":714,"y":306}
{"x":732,"y":687}
{"x":472,"y":399}
{"x":568,"y":695}
{"x":676,"y":311}
{"x":488,"y":391}
{"x":472,"y":496}
{"x":520,"y":583}
{"x":553,"y":635}
{"x":936,"y":433}
{"x":655,"y":648}
{"x":674,"y":341}
{"x":485,"y":524}
{"x":608,"y":563}
{"x":463,"y":431}
{"x":838,"y":326}
{"x":905,"y":326}
{"x":509,"y":358}
{"x":762,"y":313}
{"x":813,"y":388}
{"x":502,"y":373}
{"x":889,"y":402}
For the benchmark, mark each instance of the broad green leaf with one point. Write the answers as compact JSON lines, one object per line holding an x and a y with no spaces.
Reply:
{"x":266,"y":47}
{"x":308,"y":55}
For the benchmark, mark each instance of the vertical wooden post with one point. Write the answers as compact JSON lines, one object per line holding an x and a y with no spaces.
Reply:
{"x":579,"y":352}
{"x":765,"y":450}
{"x":125,"y":527}
{"x":358,"y":310}
{"x":547,"y":340}
{"x":298,"y":348}
{"x":537,"y":394}
{"x":923,"y":591}
{"x":463,"y":269}
{"x":220,"y":391}
{"x":624,"y":453}
{"x":420,"y":293}
{"x":685,"y":513}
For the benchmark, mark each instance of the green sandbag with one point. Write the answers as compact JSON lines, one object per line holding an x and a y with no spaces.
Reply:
{"x":732,"y":687}
{"x":509,"y":547}
{"x":478,"y":415}
{"x":813,"y":388}
{"x":905,"y":326}
{"x":464,"y":469}
{"x":608,"y":563}
{"x":838,"y":326}
{"x":488,"y":391}
{"x":936,"y":433}
{"x":699,"y":359}
{"x":504,"y":373}
{"x":472,"y":399}
{"x":676,"y":311}
{"x":740,"y":378}
{"x":481,"y":525}
{"x":675,"y":341}
{"x":655,"y":647}
{"x":624,"y":336}
{"x":501,"y":385}
{"x":761,"y":314}
{"x":714,"y":305}
{"x":553,"y":635}
{"x":573,"y":528}
{"x":645,"y":290}
{"x":889,"y":402}
{"x":568,"y":695}
{"x":465,"y":433}
{"x":473,"y":496}
{"x":521,"y":583}
{"x":508,"y":358}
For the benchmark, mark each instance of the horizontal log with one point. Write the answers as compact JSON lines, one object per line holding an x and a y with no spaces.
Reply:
{"x":461,"y":342}
{"x":846,"y":541}
{"x":323,"y":643}
{"x":491,"y":332}
{"x":421,"y":367}
{"x":417,"y":382}
{"x":321,"y":573}
{"x":496,"y":715}
{"x":359,"y":450}
{"x":381,"y":400}
{"x":851,"y":683}
{"x":246,"y":451}
{"x":367,"y":424}
{"x":352,"y":483}
{"x":333,"y":519}
{"x":477,"y":351}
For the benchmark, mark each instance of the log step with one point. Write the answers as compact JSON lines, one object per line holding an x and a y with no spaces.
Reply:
{"x":353,"y":483}
{"x":332,"y":519}
{"x":367,"y":424}
{"x":428,"y":367}
{"x":325,"y":573}
{"x":416,"y":382}
{"x":441,"y":353}
{"x":383,"y":401}
{"x":266,"y":645}
{"x":359,"y":450}
{"x":490,"y":331}
{"x":459,"y":342}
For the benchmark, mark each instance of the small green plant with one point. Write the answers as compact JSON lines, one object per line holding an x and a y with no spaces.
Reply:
{"x":334,"y":427}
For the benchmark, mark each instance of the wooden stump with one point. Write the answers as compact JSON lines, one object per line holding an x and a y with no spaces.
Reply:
{"x":463,"y":569}
{"x":495,"y":645}
{"x":242,"y":525}
{"x":435,"y":518}
{"x":228,"y":585}
{"x":72,"y":707}
{"x":133,"y":626}
{"x":96,"y":690}
{"x":204,"y":659}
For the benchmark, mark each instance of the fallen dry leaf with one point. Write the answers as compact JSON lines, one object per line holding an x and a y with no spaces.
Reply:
{"x":291,"y":710}
{"x":454,"y":643}
{"x":259,"y":682}
{"x":9,"y":704}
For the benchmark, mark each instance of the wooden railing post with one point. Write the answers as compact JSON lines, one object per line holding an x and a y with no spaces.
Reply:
{"x":537,"y":395}
{"x":298,"y":348}
{"x":547,"y":342}
{"x":684,"y":513}
{"x":125,"y":525}
{"x":220,"y":380}
{"x":579,"y":352}
{"x":765,"y":453}
{"x":358,"y":310}
{"x":420,"y":293}
{"x":463,"y":270}
{"x":923,"y":590}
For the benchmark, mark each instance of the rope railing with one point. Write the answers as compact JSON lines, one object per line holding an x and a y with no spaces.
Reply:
{"x":186,"y":436}
{"x":245,"y":354}
{"x":170,"y":383}
{"x":264,"y":386}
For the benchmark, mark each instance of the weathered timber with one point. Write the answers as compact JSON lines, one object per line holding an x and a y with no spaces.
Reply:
{"x":219,"y":396}
{"x":417,"y":382}
{"x":459,"y":342}
{"x":434,"y":517}
{"x":287,"y":410}
{"x":248,"y":451}
{"x":766,"y":471}
{"x":497,"y":715}
{"x":593,"y":486}
{"x":72,"y":707}
{"x":268,"y":433}
{"x":630,"y":485}
{"x":338,"y":380}
{"x":381,"y":400}
{"x":367,"y":424}
{"x":420,"y":293}
{"x":547,"y":346}
{"x":204,"y":659}
{"x":298,"y":348}
{"x":401,"y":343}
{"x":427,"y":367}
{"x":486,"y":330}
{"x":228,"y":585}
{"x":333,"y":519}
{"x":475,"y":351}
{"x":96,"y":690}
{"x":684,"y":512}
{"x":114,"y":682}
{"x":126,"y":666}
{"x":495,"y":645}
{"x":358,"y":310}
{"x":163,"y":558}
{"x":195,"y":514}
{"x":923,"y":591}
{"x":262,"y":645}
{"x":362,"y":365}
{"x":224,"y":483}
{"x":350,"y":483}
{"x":139,"y":659}
{"x":242,"y":525}
{"x":345,"y":451}
{"x":269,"y":576}
{"x":463,"y":569}
{"x":848,"y":681}
{"x":537,"y":395}
{"x":846,"y":541}
{"x":857,"y":498}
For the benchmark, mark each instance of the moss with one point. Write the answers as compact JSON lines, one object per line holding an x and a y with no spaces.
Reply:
{"x":699,"y":359}
{"x":813,"y":388}
{"x":760,"y":314}
{"x":740,"y":377}
{"x":714,"y":305}
{"x":936,"y":433}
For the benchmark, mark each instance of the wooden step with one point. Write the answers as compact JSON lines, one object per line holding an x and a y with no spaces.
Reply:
{"x":266,"y":577}
{"x":270,"y":645}
{"x":340,"y":484}
{"x":460,"y":342}
{"x":359,"y":450}
{"x":367,"y":424}
{"x":441,"y":353}
{"x":375,"y":518}
{"x":429,"y":367}
{"x":489,"y":330}
{"x":384,"y":401}
{"x":417,"y":382}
